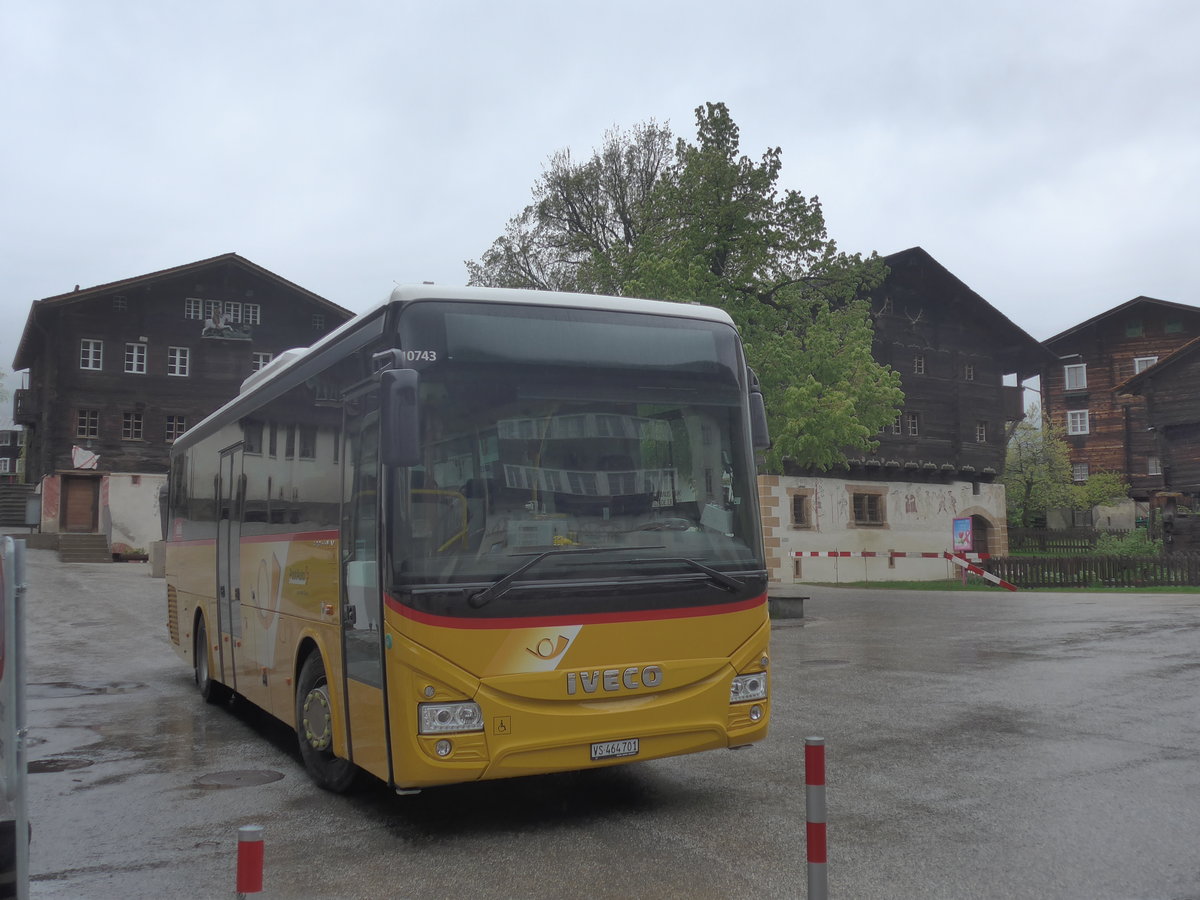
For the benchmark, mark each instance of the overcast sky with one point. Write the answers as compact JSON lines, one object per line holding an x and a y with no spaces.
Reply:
{"x":1047,"y":153}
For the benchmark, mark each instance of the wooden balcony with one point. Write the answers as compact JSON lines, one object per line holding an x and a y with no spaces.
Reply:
{"x":26,"y":406}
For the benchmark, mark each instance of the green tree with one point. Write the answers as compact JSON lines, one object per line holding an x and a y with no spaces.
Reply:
{"x":1038,"y":477}
{"x":709,"y":224}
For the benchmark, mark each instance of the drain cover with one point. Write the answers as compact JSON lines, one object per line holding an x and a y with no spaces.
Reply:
{"x":57,"y":764}
{"x":238,"y":778}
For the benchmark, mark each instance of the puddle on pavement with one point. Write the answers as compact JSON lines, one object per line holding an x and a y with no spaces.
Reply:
{"x":54,"y":690}
{"x":57,"y":764}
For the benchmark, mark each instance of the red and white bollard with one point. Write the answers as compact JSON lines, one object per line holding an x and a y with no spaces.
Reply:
{"x":250,"y":860}
{"x":814,"y":808}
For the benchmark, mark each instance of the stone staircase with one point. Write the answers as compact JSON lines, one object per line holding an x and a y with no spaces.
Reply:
{"x":81,"y":548}
{"x":12,"y":504}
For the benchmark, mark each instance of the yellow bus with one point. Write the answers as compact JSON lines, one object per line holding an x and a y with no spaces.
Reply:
{"x":480,"y":533}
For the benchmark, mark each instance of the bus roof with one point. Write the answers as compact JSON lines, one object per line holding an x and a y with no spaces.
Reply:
{"x":294,"y":366}
{"x":409,"y":293}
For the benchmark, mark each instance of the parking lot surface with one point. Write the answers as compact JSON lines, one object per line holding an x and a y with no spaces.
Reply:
{"x":980,"y":745}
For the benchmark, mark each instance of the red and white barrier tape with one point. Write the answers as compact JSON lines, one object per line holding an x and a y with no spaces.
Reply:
{"x":975,"y":570}
{"x":963,"y":560}
{"x":886,"y":554}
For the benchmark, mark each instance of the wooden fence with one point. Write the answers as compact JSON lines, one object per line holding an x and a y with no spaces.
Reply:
{"x":1097,"y":571}
{"x":1056,"y":539}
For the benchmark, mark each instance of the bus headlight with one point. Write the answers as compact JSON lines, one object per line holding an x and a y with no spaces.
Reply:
{"x":748,"y":687}
{"x":443,"y":718}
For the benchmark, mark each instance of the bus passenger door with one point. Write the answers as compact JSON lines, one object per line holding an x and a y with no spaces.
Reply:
{"x":229,"y":536}
{"x":362,"y":608}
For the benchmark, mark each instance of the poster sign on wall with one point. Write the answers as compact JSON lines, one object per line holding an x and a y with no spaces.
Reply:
{"x":964,"y":537}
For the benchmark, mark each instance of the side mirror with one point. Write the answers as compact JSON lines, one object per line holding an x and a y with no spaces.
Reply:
{"x":760,"y":434}
{"x":163,"y":496}
{"x":399,"y":414}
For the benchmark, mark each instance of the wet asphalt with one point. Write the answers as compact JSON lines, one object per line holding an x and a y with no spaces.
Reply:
{"x":980,"y":745}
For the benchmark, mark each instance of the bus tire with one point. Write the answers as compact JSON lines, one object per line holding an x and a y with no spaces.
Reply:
{"x":314,"y":728}
{"x":212,"y":691}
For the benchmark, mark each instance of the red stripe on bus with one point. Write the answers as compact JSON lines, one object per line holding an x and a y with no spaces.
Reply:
{"x":575,"y":619}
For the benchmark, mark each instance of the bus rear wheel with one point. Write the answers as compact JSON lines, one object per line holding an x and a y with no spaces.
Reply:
{"x":314,"y":727}
{"x":212,"y":691}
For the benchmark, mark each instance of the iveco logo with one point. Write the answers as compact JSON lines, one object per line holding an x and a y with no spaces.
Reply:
{"x":614,"y":679}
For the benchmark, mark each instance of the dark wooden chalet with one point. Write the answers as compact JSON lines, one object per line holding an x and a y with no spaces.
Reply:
{"x":1170,"y":395}
{"x":953,"y":351}
{"x":120,"y":370}
{"x":1107,"y":430}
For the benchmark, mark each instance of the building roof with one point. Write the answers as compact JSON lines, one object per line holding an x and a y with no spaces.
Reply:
{"x":1018,"y":348}
{"x":1135,"y":384}
{"x":21,"y":360}
{"x":1117,"y":310}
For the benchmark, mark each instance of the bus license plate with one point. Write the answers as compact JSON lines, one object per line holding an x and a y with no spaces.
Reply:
{"x":614,"y":749}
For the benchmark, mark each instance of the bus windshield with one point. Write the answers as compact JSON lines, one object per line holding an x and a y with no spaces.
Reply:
{"x":571,"y":460}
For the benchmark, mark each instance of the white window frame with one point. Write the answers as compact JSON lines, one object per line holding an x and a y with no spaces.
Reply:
{"x":1079,"y":472}
{"x":260,"y":359}
{"x":175,"y":426}
{"x":4,"y":462}
{"x":193,"y":308}
{"x":87,"y":424}
{"x":132,"y":426}
{"x":1077,"y":373}
{"x":1153,"y":465}
{"x":969,"y":372}
{"x":212,"y":310}
{"x":1078,"y":422}
{"x":919,"y":364}
{"x":981,"y":430}
{"x":135,"y":358}
{"x":912,"y":424}
{"x":1142,"y":363}
{"x":6,"y":438}
{"x":91,"y":354}
{"x":252,"y":314}
{"x":179,"y":361}
{"x":233,"y":309}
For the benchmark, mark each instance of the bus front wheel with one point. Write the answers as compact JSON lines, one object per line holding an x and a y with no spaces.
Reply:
{"x":212,"y":691}
{"x":314,"y":727}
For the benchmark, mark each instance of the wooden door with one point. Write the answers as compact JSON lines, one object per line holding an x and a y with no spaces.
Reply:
{"x":81,"y":502}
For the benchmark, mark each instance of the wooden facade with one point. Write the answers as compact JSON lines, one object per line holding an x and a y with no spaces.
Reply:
{"x":1107,"y":429}
{"x":1170,"y":406}
{"x":12,"y":446}
{"x":953,"y":351}
{"x":119,"y":370}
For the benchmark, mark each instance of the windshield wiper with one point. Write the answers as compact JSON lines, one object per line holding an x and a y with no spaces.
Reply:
{"x":504,"y":585}
{"x":726,"y":581}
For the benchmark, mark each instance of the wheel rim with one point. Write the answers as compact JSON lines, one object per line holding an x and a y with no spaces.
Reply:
{"x":317,"y":721}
